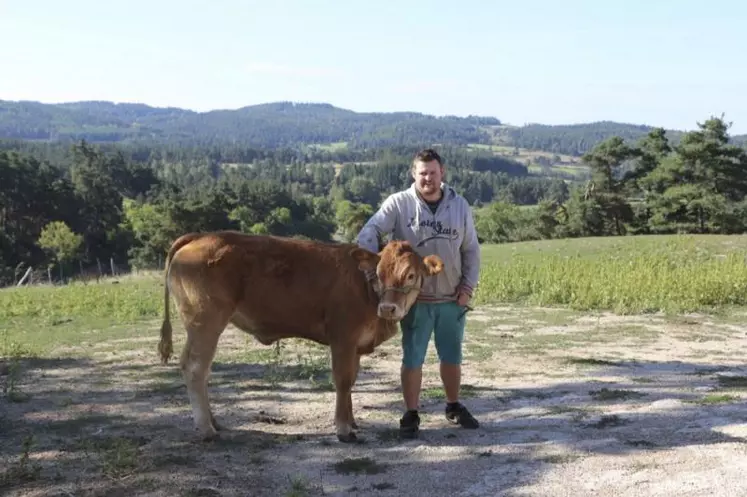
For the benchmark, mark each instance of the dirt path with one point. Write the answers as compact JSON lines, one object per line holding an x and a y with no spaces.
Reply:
{"x":570,"y":404}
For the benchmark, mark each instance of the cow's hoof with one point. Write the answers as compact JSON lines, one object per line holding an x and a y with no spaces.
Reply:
{"x":216,"y":425}
{"x":210,"y":437}
{"x":208,"y":434}
{"x":354,"y":425}
{"x":348,"y":439}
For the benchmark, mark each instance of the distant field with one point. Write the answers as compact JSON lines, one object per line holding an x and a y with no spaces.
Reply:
{"x":523,"y":152}
{"x":578,"y":172}
{"x":330,"y":147}
{"x":626,"y":274}
{"x":560,"y":163}
{"x":568,"y":166}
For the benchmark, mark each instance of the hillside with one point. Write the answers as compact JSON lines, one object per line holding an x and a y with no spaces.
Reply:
{"x":288,"y":124}
{"x":280,"y":124}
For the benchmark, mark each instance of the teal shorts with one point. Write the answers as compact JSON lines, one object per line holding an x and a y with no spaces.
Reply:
{"x":445,"y":320}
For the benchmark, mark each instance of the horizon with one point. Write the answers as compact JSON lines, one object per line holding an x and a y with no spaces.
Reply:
{"x":670,"y":64}
{"x":503,"y":122}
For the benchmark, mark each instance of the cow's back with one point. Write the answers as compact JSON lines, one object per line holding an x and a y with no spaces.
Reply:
{"x":276,"y":287}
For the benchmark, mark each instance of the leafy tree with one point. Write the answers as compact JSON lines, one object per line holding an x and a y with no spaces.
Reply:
{"x":606,"y":161}
{"x":351,"y":217}
{"x":152,"y":229}
{"x":497,"y":222}
{"x":693,"y":188}
{"x":58,"y":239}
{"x":583,"y":215}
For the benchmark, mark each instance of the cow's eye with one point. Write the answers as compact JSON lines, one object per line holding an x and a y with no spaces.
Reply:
{"x":410,"y":277}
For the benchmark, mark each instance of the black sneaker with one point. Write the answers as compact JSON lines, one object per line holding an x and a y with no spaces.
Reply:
{"x":409,"y":425}
{"x":458,"y":414}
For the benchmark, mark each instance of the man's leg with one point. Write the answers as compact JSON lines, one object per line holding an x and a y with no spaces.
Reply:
{"x":451,"y":376}
{"x":416,"y":333}
{"x":449,"y":335}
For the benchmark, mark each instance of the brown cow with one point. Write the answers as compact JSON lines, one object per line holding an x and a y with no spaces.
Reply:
{"x":274,"y":288}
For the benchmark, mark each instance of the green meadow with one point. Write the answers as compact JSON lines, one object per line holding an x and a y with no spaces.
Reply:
{"x":666,"y":273}
{"x":643,"y":274}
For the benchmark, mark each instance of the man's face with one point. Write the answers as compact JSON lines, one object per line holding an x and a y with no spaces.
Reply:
{"x":428,"y":177}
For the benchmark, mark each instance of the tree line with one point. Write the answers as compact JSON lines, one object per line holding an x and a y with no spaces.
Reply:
{"x":271,"y":125}
{"x":77,"y":206}
{"x":289,"y":125}
{"x":73,"y":206}
{"x":649,"y":186}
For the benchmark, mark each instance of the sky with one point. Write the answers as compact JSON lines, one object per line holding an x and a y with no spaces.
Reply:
{"x":670,"y":63}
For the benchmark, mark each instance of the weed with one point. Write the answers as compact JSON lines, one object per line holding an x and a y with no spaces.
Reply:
{"x":578,"y":412}
{"x":22,"y":470}
{"x":605,"y":394}
{"x":298,"y":487}
{"x":558,"y":458}
{"x":642,"y":379}
{"x":299,"y":360}
{"x":432,"y":393}
{"x":607,"y":421}
{"x":11,"y":353}
{"x":590,"y":361}
{"x":383,"y":486}
{"x":640,"y":443}
{"x":732,"y":381}
{"x":358,"y":465}
{"x":713,"y":398}
{"x":117,"y":457}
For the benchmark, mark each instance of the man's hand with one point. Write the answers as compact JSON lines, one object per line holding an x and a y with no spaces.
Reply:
{"x":463,"y":299}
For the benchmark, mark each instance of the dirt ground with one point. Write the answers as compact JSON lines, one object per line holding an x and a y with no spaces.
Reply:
{"x":569,"y":403}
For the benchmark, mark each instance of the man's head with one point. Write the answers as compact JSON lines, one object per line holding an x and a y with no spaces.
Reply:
{"x":400,"y":272}
{"x":428,"y":172}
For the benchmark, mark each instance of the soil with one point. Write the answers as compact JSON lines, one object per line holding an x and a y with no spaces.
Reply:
{"x":569,"y":404}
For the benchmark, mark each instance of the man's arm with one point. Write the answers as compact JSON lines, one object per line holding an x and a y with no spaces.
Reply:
{"x":470,"y":251}
{"x":381,"y":222}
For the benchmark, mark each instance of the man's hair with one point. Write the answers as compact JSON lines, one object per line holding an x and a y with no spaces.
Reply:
{"x":427,"y":155}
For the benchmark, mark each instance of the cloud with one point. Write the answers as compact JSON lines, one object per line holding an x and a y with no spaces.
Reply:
{"x":270,"y":69}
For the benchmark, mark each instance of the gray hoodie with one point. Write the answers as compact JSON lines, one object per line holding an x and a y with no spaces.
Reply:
{"x":449,"y":233}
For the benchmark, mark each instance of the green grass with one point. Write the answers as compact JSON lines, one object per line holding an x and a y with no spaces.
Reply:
{"x":623,"y":274}
{"x":41,"y":318}
{"x":128,"y":300}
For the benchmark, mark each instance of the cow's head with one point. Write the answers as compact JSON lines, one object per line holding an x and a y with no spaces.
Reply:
{"x":400,"y":272}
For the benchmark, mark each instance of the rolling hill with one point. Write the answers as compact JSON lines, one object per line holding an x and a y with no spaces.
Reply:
{"x":289,"y":124}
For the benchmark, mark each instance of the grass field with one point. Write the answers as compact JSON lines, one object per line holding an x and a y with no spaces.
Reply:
{"x":672,"y":274}
{"x":591,"y":363}
{"x":567,"y":164}
{"x":626,"y":275}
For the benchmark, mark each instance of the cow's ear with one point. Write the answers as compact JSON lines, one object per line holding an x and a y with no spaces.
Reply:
{"x":433,"y":265}
{"x":367,"y":260}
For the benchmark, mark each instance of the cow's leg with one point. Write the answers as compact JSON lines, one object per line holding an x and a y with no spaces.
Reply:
{"x":196,"y":360}
{"x":350,"y":395}
{"x":344,"y":369}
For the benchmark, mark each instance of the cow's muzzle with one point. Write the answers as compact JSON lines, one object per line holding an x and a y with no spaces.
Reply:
{"x":390,"y":311}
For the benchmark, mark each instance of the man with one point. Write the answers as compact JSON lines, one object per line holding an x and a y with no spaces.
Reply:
{"x":435,"y":220}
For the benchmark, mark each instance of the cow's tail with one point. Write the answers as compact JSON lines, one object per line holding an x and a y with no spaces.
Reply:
{"x":165,"y":346}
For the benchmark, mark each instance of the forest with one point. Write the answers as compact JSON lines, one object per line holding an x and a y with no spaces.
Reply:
{"x":293,"y":125}
{"x":74,"y":205}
